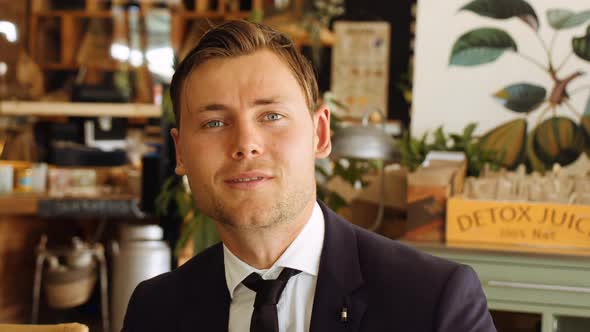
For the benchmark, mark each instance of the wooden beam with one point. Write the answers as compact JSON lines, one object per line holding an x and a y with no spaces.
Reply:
{"x":69,"y":39}
{"x":79,"y":109}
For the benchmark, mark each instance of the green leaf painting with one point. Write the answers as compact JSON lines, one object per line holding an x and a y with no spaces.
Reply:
{"x":504,"y":9}
{"x":561,"y":19}
{"x":522,"y":97}
{"x":532,"y":159}
{"x":508,"y":141}
{"x":581,"y":45}
{"x":481,"y":46}
{"x":554,"y":138}
{"x":558,"y":140}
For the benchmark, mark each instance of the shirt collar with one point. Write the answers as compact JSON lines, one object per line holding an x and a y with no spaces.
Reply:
{"x":302,"y":254}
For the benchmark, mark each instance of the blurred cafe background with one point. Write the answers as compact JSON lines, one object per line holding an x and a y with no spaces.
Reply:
{"x":460,"y":127}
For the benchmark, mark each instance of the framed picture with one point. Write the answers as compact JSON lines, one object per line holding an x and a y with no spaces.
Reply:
{"x":360,"y":65}
{"x":514,"y":68}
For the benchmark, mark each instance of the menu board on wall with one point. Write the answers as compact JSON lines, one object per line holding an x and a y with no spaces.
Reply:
{"x":360,"y":65}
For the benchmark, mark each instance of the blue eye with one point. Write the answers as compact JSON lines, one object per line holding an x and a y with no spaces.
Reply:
{"x":214,"y":124}
{"x":273,"y":116}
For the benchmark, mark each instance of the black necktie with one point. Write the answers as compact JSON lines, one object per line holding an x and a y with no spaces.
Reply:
{"x":268,"y":293}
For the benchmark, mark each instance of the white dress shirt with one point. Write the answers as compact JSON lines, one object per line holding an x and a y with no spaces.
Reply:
{"x":296,"y":302}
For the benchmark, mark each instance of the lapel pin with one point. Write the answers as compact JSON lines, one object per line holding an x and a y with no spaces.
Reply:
{"x":344,"y":315}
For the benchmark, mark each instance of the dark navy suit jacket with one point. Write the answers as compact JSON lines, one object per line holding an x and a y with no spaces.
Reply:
{"x":385,"y":286}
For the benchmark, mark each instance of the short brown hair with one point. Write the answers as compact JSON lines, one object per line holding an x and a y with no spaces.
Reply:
{"x":236,"y":38}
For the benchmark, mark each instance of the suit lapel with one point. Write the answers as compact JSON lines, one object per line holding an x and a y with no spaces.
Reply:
{"x":206,"y":301}
{"x":339,"y":286}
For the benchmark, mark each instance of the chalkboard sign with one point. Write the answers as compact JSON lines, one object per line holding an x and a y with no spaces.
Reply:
{"x":88,"y":208}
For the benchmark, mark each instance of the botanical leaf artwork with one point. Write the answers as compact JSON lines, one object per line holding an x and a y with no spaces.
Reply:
{"x":553,"y":138}
{"x":481,"y":46}
{"x":561,"y":19}
{"x":521,"y":97}
{"x":509,"y":140}
{"x":505,"y":9}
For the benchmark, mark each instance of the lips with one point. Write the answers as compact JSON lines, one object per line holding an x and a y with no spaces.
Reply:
{"x":242,"y":180}
{"x":247,"y":180}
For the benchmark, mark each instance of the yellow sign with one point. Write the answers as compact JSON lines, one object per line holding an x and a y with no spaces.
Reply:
{"x":543,"y":224}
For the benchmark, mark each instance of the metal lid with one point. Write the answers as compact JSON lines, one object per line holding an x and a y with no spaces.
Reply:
{"x":128,"y":232}
{"x":365,"y":142}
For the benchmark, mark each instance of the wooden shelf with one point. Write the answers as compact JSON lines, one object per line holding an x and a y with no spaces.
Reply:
{"x":111,"y":13}
{"x":76,"y":13}
{"x":301,"y":37}
{"x":213,"y":15}
{"x":27,"y":204}
{"x":76,"y":66}
{"x":79,"y":109}
{"x":19,"y":204}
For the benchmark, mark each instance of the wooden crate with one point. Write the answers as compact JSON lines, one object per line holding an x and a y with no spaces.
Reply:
{"x":518,"y":223}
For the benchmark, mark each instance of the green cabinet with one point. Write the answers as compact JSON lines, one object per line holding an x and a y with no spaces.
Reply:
{"x":552,"y":285}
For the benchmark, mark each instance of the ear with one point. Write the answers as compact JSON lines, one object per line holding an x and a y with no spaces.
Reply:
{"x":179,"y":170}
{"x":322,"y":141}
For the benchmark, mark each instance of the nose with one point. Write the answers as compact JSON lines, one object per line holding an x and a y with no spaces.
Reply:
{"x":247,"y":141}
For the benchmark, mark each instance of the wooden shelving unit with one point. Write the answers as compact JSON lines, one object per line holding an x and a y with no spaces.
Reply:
{"x":57,"y":41}
{"x":57,"y":36}
{"x":70,"y":21}
{"x":16,"y":108}
{"x":182,"y":20}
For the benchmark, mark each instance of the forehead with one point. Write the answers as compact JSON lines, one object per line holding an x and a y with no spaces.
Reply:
{"x":259,"y":73}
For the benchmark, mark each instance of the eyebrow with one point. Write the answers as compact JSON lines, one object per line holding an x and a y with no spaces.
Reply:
{"x":224,"y":107}
{"x":267,"y":101}
{"x":214,"y":107}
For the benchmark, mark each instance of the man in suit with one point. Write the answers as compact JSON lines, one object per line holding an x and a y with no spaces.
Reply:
{"x":249,"y":128}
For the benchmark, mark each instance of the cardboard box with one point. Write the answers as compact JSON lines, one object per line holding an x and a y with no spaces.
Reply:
{"x":363,"y":204}
{"x":518,"y":223}
{"x":440,"y":177}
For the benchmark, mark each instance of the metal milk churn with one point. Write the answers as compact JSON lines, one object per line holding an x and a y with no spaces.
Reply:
{"x":140,"y":254}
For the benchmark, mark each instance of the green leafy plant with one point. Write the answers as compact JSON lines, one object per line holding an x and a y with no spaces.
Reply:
{"x":317,"y":19}
{"x":414,"y":150}
{"x":196,"y":226}
{"x":352,"y":171}
{"x":404,"y":84}
{"x":554,"y":139}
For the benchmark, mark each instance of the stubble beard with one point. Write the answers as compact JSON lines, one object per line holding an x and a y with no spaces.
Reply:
{"x":285,"y":209}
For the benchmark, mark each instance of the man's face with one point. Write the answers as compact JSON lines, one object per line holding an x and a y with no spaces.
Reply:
{"x":247,"y":141}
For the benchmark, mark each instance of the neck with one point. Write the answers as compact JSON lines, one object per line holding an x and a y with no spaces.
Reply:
{"x":262,"y":247}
